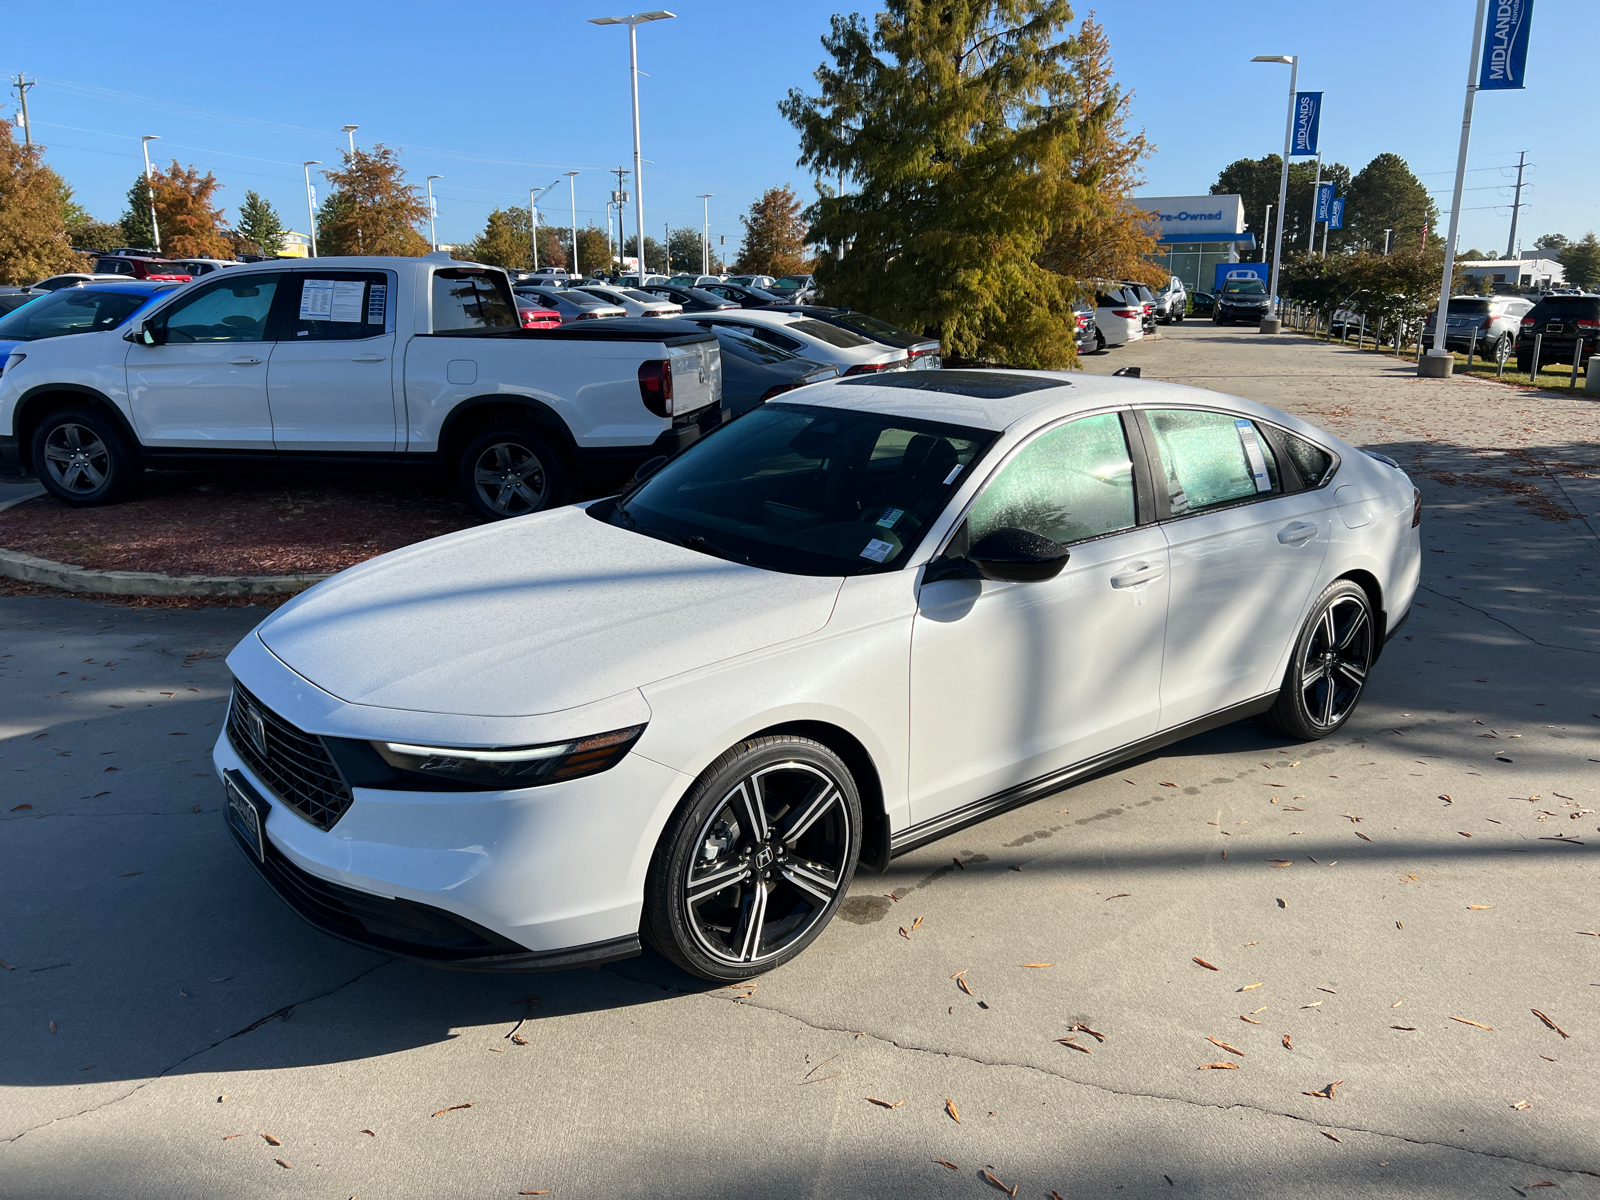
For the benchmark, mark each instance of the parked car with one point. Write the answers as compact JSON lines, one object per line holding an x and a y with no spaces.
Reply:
{"x":687,"y":715}
{"x":571,"y":303}
{"x":810,"y":338}
{"x":1562,"y":323}
{"x":1147,"y":304}
{"x":1172,"y":302}
{"x":197,"y":267}
{"x":633,"y":302}
{"x":1240,"y":300}
{"x":1118,"y":316}
{"x":761,"y":282}
{"x":129,"y":267}
{"x":1087,"y":332}
{"x":754,"y":371}
{"x":924,"y":351}
{"x":796,"y":289}
{"x":70,"y":279}
{"x":744,"y":297}
{"x":547,"y":274}
{"x":1494,"y":320}
{"x":402,"y":363}
{"x":693,"y":299}
{"x":87,"y":308}
{"x":1203,"y":303}
{"x":695,"y":280}
{"x":535,"y":316}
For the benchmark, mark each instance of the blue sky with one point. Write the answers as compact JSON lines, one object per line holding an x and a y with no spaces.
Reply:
{"x":497,"y":97}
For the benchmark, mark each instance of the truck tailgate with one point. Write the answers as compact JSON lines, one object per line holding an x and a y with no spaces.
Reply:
{"x":696,"y":375}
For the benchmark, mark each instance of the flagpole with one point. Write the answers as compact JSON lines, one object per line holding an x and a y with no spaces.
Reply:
{"x":1438,"y":362}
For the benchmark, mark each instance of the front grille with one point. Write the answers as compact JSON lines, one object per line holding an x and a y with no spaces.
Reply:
{"x":293,"y":763}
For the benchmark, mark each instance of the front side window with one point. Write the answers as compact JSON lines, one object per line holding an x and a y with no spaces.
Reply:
{"x":336,"y":306}
{"x":70,"y":310}
{"x":1068,"y":484}
{"x":230,"y":310}
{"x":1210,"y":459}
{"x":806,"y":490}
{"x":468,"y":299}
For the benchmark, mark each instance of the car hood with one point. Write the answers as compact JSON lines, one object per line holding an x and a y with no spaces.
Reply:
{"x":532,"y":616}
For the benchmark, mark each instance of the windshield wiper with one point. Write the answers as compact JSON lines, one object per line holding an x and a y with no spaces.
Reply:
{"x":695,"y":542}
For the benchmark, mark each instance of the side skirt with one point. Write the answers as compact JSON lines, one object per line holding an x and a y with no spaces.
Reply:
{"x":934,"y":828}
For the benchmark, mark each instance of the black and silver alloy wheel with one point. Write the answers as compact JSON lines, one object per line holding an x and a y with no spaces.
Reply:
{"x":755,"y":863}
{"x":80,"y":457}
{"x":510,"y":472}
{"x":1332,"y":659}
{"x":77,"y":459}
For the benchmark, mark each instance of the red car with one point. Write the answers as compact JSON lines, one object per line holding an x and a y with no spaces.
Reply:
{"x":534,"y":317}
{"x":141,"y":268}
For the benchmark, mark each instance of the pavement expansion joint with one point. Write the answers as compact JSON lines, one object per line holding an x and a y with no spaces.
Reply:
{"x":193,"y":1054}
{"x":1500,"y":621}
{"x":744,"y":1002}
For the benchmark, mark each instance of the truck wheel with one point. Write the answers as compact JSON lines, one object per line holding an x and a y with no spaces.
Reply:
{"x":81,"y":458}
{"x":510,"y":471}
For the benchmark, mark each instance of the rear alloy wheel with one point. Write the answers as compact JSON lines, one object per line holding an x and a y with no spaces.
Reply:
{"x":81,"y":458}
{"x":1328,"y":672}
{"x":756,"y":860}
{"x":510,"y":471}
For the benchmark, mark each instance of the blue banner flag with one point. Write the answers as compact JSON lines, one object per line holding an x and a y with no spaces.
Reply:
{"x":1324,"y":200}
{"x":1307,"y":114}
{"x":1505,"y":45}
{"x":1336,"y":214}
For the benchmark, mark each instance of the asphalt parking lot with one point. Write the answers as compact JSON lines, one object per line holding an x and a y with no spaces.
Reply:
{"x":1363,"y":932}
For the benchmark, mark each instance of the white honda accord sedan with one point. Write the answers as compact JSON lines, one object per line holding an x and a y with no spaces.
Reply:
{"x":840,"y":627}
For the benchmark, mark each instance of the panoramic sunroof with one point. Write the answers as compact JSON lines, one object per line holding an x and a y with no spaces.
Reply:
{"x":981,"y":385}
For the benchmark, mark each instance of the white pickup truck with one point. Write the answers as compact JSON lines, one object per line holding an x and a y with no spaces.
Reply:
{"x":400,"y":362}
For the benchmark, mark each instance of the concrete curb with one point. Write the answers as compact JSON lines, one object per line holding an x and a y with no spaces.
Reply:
{"x":27,"y":568}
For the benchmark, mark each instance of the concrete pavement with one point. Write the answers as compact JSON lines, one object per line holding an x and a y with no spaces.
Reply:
{"x":1434,"y":877}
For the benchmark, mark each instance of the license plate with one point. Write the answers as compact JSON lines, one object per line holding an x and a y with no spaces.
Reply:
{"x":244,"y":817}
{"x":1553,"y":327}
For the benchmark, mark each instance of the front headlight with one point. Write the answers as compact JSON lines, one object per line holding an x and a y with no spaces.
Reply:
{"x":507,"y":766}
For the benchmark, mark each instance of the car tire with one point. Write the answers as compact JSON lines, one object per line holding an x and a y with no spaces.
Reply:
{"x":1099,"y":342}
{"x":733,"y":829}
{"x":1524,"y":365}
{"x":511,"y":471}
{"x":1216,"y":320}
{"x":1329,"y":665}
{"x":82,"y":459}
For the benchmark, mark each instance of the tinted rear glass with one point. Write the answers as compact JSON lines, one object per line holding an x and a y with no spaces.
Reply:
{"x":981,"y":385}
{"x":831,"y":334}
{"x":1470,"y":308}
{"x":1567,"y":306}
{"x":471,"y":300}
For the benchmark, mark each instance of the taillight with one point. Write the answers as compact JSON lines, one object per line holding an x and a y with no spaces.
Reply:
{"x":776,"y":389}
{"x":1488,"y":323}
{"x":869,"y":368}
{"x":1126,"y":313}
{"x":1416,"y":507}
{"x":1527,"y":320}
{"x":655,"y":385}
{"x":1587,"y":324}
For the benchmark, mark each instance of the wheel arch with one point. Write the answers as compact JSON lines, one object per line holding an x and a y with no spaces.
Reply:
{"x":471,"y":417}
{"x":874,"y":817}
{"x":1368,"y":582}
{"x":38,"y":402}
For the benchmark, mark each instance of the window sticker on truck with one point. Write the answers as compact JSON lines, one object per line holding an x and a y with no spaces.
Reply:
{"x":376,"y":298}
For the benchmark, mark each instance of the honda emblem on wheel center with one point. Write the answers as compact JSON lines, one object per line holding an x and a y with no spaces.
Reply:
{"x":764,"y":857}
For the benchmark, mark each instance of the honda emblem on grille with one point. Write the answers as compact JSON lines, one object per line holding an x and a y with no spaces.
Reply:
{"x":257,"y":728}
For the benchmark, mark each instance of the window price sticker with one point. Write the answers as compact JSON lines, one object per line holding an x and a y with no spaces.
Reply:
{"x":377,"y":296}
{"x":1252,"y":451}
{"x":877,"y":550}
{"x":890,"y":516}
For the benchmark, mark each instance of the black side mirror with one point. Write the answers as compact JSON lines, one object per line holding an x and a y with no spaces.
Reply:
{"x":1017,"y":556}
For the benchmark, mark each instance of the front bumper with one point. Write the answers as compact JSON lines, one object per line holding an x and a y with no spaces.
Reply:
{"x":535,"y":879}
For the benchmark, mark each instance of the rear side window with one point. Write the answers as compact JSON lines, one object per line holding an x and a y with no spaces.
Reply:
{"x":1313,"y":462}
{"x":114,"y":266}
{"x":336,"y":306}
{"x":1210,"y":459}
{"x":471,"y":299}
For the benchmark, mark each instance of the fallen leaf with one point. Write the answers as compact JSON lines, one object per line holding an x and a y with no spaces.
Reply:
{"x":917,"y":924}
{"x":1287,"y":1044}
{"x":1250,"y":987}
{"x":1218,"y":1067}
{"x":1169,"y":785}
{"x":1072,"y":1044}
{"x":1550,"y":1023}
{"x":1521,"y":1104}
{"x":1362,"y":836}
{"x":1464,"y":1021}
{"x":129,"y":874}
{"x":518,"y":1039}
{"x":1252,"y":1020}
{"x":1398,"y":925}
{"x":20,"y":807}
{"x":231,"y":1136}
{"x":1463,"y":833}
{"x":1404,"y":1028}
{"x":1038,"y":964}
{"x":955,"y":1113}
{"x":1082,"y":1028}
{"x":884,"y":1103}
{"x":1207,"y":965}
{"x":904,"y":934}
{"x":1332,"y":1137}
{"x":7,"y":966}
{"x":1314,"y":1004}
{"x":1120,"y":896}
{"x":1225,"y":1046}
{"x":1327,"y":1092}
{"x":453,"y":1108}
{"x":369,"y":1133}
{"x":1544,"y":1183}
{"x":962,"y":984}
{"x":959,"y":863}
{"x":270,"y":1140}
{"x":284,"y":1165}
{"x":1475,"y":907}
{"x":535,"y":1192}
{"x":1330,"y":991}
{"x":1010,"y":1191}
{"x":1257,"y":1011}
{"x":943,"y":1163}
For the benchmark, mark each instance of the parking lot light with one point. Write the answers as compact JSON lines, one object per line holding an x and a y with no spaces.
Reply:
{"x":705,"y":232}
{"x":633,"y":22}
{"x":350,"y":132}
{"x":1292,"y":61}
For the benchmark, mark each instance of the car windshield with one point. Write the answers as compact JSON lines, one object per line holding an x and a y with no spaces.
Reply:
{"x":831,"y":334}
{"x":805,"y":490}
{"x":1470,"y":308}
{"x":1244,"y":287}
{"x":71,"y":310}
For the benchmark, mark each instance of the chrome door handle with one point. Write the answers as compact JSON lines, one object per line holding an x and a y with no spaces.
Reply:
{"x":368,"y":358}
{"x":244,"y":362}
{"x":1294,"y":535}
{"x":1136,"y":574}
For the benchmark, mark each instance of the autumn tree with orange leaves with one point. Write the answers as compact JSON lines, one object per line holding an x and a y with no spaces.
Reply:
{"x":191,"y":225}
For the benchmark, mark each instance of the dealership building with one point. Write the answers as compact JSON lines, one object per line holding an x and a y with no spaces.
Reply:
{"x":1195,"y":233}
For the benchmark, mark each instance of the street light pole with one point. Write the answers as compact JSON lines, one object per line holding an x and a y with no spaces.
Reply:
{"x":1266,"y":233}
{"x":633,"y":22}
{"x":572,"y":189}
{"x":311,"y":207}
{"x":1311,"y":242}
{"x":705,"y":232}
{"x":433,"y":237}
{"x":1293,"y":63}
{"x":533,"y":219}
{"x":144,"y":145}
{"x":350,"y":132}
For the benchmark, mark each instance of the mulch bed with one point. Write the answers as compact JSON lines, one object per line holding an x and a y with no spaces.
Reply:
{"x":199,"y":524}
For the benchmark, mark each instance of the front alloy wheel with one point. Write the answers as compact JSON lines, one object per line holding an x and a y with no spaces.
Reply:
{"x":81,"y":459}
{"x":1332,"y":658}
{"x":755,"y":863}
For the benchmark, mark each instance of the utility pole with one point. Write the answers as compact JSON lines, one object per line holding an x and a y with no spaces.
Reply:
{"x":620,"y":199}
{"x":1516,"y":204}
{"x":22,"y":85}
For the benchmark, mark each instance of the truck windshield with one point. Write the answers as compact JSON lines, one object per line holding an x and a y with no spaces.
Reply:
{"x":805,"y":490}
{"x":466,"y":298}
{"x":71,"y":310}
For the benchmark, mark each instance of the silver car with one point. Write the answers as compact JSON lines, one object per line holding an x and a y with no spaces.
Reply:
{"x":631,"y":300}
{"x":572,"y":303}
{"x":1486,"y":324}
